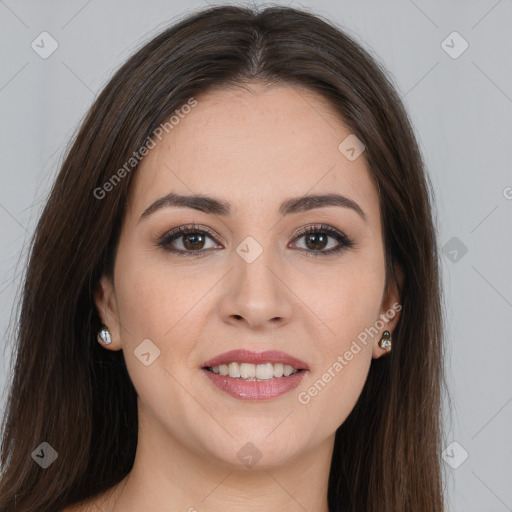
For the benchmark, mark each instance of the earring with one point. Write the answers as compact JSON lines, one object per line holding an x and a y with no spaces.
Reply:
{"x":385,"y":341}
{"x":104,"y":336}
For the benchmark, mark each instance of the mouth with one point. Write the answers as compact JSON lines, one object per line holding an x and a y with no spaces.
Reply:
{"x":247,"y":365}
{"x":255,"y":376}
{"x":254,"y":372}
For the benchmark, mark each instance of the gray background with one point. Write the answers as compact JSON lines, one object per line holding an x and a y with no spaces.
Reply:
{"x":462,"y":111}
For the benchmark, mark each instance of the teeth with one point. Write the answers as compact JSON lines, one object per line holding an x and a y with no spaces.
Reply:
{"x":265,"y":371}
{"x":234,"y":370}
{"x":254,"y":372}
{"x":278,"y":370}
{"x":248,"y":371}
{"x":288,"y":370}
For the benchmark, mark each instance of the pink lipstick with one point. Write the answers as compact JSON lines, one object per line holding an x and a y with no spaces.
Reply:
{"x":249,"y":375}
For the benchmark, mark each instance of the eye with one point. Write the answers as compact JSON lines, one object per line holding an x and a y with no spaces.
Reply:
{"x":192,"y":238}
{"x":316,"y":239}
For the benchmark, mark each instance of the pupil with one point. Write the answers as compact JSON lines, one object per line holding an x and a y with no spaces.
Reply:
{"x":317,"y":239}
{"x":196,"y":242}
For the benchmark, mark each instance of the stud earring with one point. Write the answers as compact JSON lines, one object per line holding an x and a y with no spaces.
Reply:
{"x":104,"y":336}
{"x":385,"y":341}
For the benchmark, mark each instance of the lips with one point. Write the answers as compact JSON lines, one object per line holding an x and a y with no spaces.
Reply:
{"x":264,"y":387}
{"x":246,"y":356}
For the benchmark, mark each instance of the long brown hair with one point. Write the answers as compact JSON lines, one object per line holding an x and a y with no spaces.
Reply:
{"x":71,"y":393}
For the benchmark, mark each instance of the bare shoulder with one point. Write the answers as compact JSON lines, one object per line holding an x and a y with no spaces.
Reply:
{"x":88,"y":506}
{"x":103,"y":502}
{"x":77,"y":508}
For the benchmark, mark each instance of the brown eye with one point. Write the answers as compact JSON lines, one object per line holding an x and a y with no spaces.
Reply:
{"x":191,"y":238}
{"x":317,"y":239}
{"x":193,"y":241}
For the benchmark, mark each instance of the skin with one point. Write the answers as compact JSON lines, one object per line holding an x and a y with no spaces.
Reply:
{"x":254,"y":147}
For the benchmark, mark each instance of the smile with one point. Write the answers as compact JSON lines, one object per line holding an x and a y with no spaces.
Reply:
{"x":254,"y":372}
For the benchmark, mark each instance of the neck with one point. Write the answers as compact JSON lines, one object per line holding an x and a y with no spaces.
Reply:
{"x":168,"y":475}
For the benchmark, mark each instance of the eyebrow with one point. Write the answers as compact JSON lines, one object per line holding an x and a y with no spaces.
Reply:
{"x":216,"y":206}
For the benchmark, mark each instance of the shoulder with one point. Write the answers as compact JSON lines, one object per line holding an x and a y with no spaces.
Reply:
{"x":79,"y":507}
{"x":102,"y":502}
{"x":76,"y":508}
{"x":83,"y":506}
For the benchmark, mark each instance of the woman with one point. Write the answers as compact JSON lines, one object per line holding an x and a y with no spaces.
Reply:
{"x":232,"y":300}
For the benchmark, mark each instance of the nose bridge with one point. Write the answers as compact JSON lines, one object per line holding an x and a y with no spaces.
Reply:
{"x":256,"y":291}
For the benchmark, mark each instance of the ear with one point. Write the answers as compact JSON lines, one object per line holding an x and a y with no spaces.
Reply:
{"x":106,"y":305}
{"x":390,"y":310}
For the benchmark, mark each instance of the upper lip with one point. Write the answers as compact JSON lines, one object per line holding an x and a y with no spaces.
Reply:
{"x":246,"y":356}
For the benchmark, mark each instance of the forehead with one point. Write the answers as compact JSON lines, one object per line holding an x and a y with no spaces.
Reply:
{"x":251,"y":145}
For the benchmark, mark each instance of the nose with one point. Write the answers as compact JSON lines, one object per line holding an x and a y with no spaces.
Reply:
{"x":257,"y":293}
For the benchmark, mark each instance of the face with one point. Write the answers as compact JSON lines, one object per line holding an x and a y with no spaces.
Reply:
{"x":265,"y":270}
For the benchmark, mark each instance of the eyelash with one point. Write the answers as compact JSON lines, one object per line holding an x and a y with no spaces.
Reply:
{"x":165,"y":240}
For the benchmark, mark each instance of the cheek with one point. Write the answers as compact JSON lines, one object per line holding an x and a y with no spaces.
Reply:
{"x":332,"y":395}
{"x":349,"y":309}
{"x":158,"y":305}
{"x":344,"y":298}
{"x":169,"y":307}
{"x":348,"y":304}
{"x":155,"y":300}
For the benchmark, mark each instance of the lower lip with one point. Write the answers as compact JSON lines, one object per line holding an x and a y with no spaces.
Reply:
{"x":255,"y":390}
